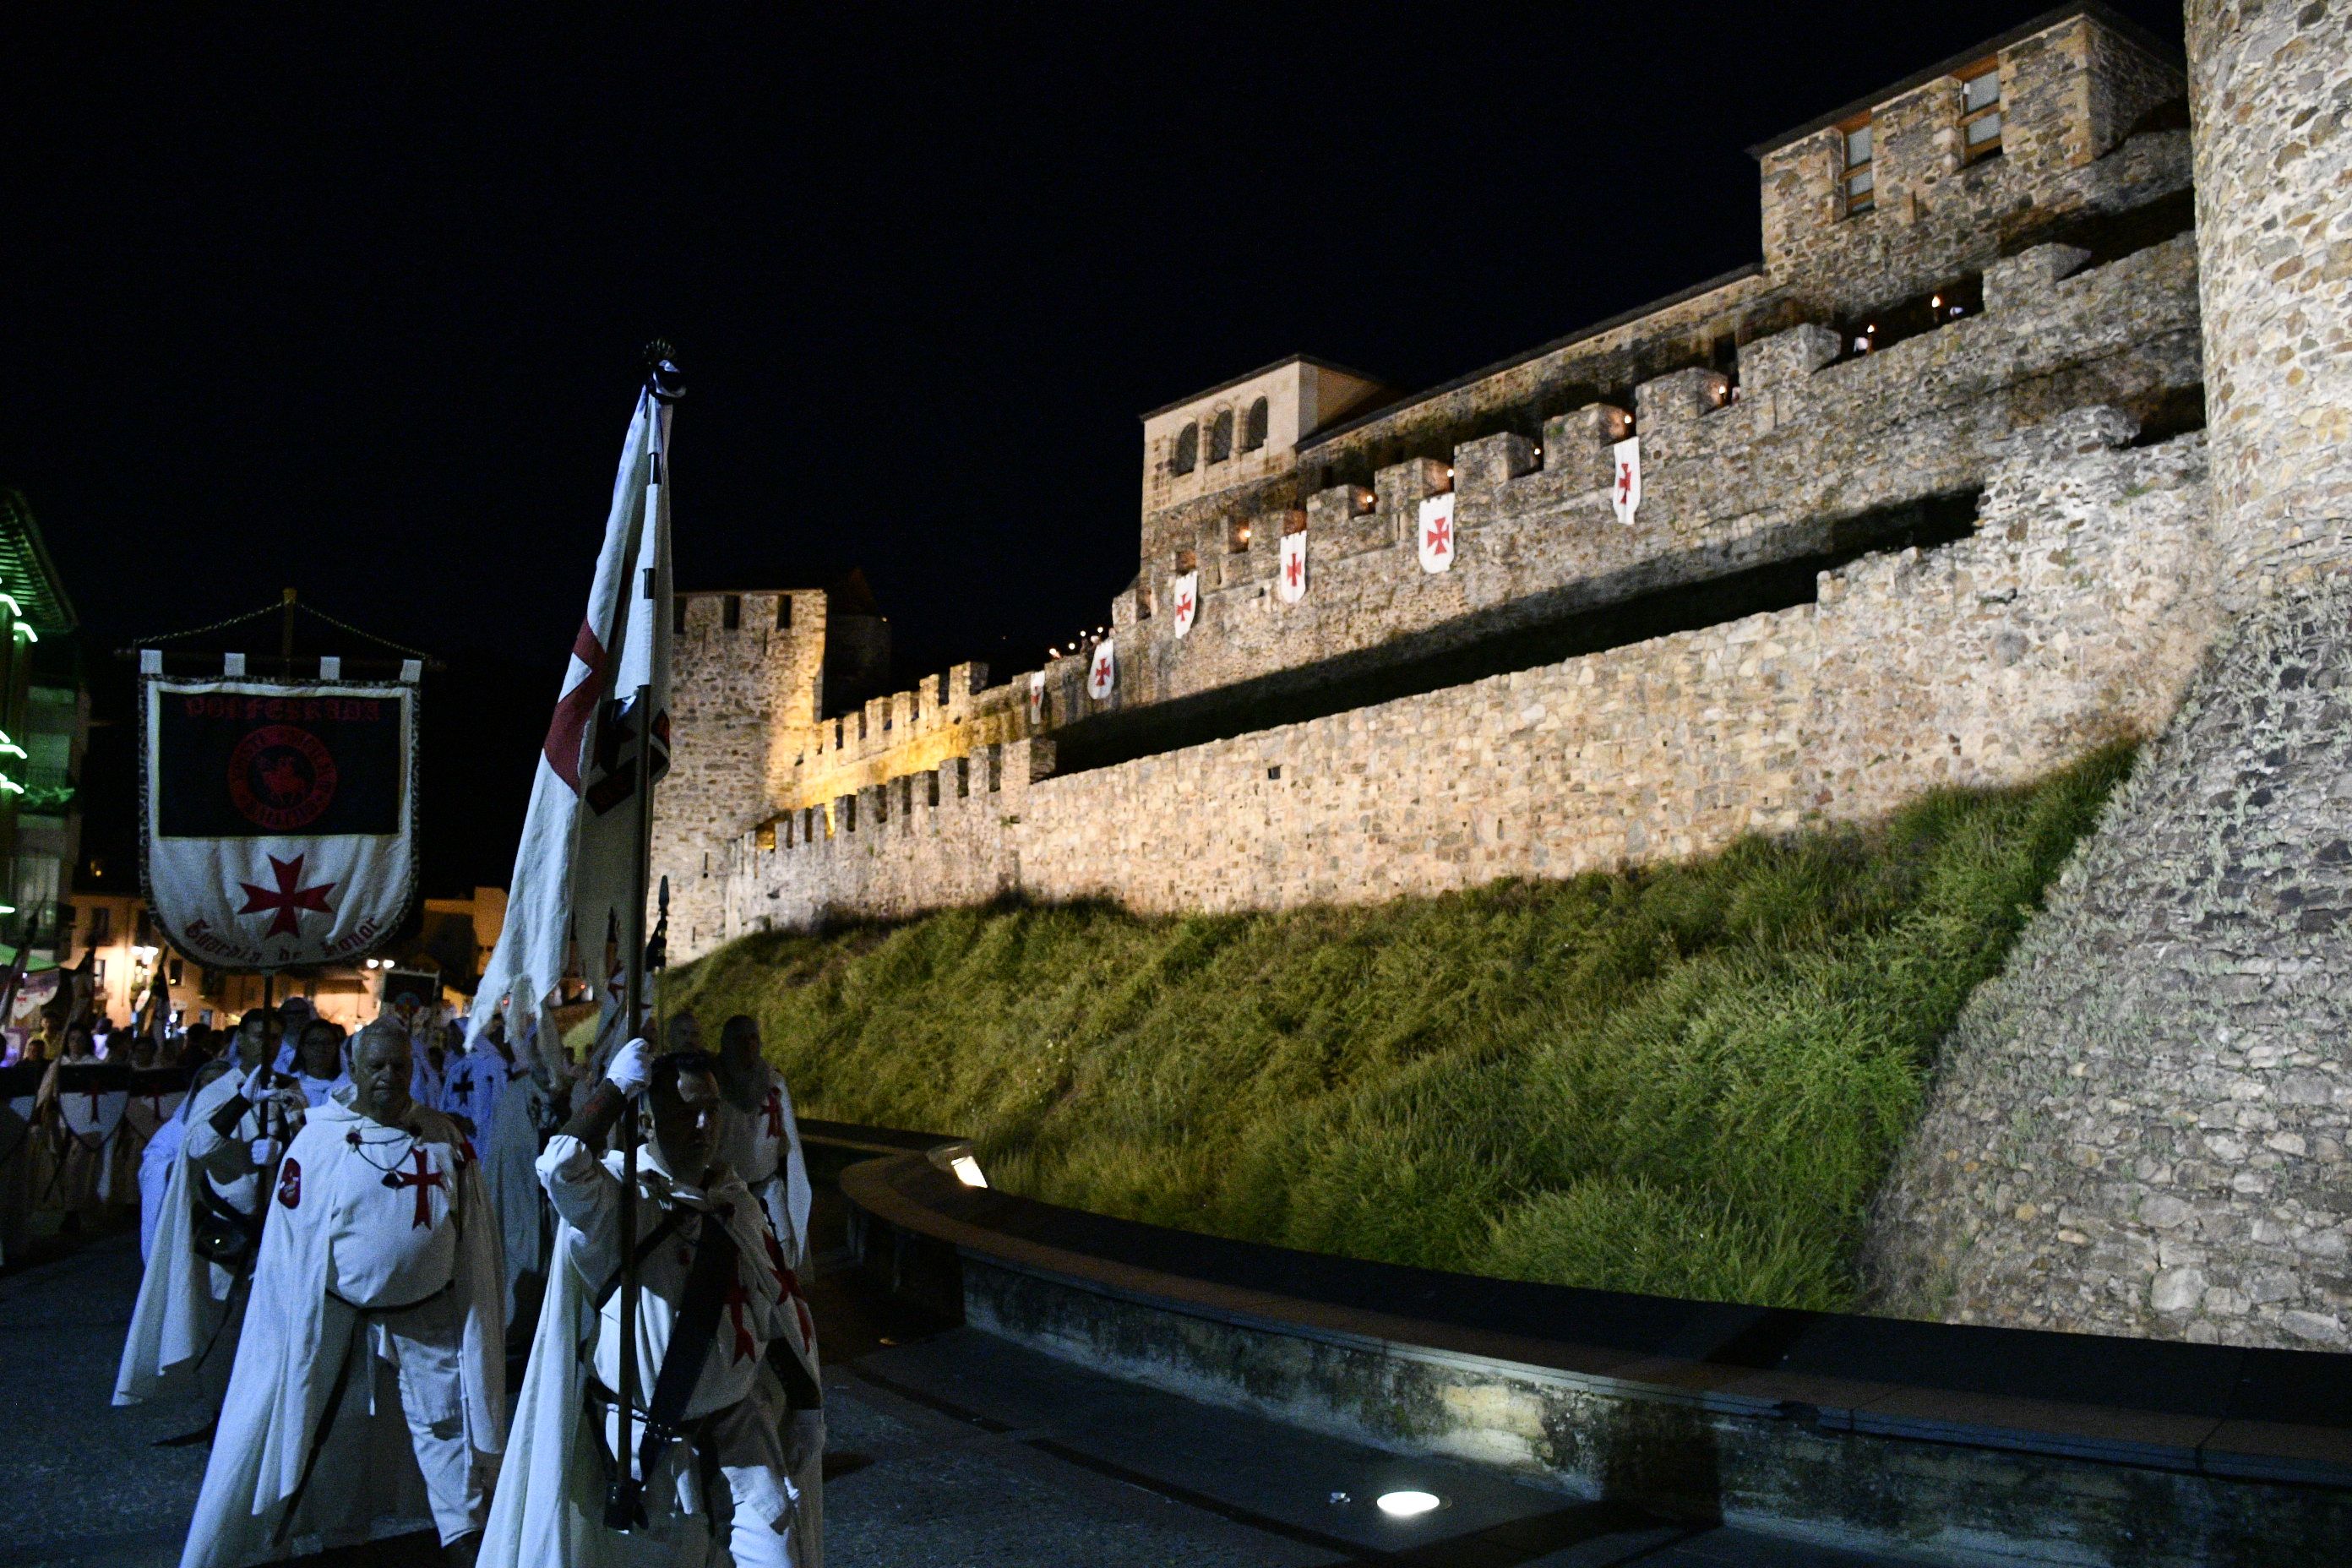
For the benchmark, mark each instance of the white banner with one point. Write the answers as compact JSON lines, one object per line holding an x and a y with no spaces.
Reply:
{"x":1290,"y":576}
{"x":1436,"y":537}
{"x":575,"y":873}
{"x":1036,"y":697}
{"x":1626,"y":489}
{"x":1186,"y":593}
{"x":1103,"y":673}
{"x":279,"y":818}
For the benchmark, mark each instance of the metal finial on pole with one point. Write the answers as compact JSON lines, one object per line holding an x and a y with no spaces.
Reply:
{"x":663,"y":378}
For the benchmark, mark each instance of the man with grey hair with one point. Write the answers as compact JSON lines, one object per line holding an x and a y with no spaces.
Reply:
{"x":385,"y":1331}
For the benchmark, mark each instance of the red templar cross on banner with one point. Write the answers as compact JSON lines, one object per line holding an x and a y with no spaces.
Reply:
{"x":1441,"y":535}
{"x":290,"y":897}
{"x":423,"y":1179}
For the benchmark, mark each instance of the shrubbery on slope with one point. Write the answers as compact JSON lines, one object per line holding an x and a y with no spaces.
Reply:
{"x":1685,"y":1081}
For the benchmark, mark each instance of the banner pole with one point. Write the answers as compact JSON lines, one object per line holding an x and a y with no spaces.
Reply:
{"x":624,"y":1509}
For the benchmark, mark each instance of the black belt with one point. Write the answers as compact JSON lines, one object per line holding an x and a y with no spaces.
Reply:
{"x":433,"y":1296}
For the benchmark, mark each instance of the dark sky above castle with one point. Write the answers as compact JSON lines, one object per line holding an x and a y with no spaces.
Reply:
{"x":297,"y":299}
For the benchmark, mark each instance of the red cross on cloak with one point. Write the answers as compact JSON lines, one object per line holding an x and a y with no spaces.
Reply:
{"x":746,"y":1347}
{"x":774,"y":1111}
{"x":423,"y":1178}
{"x":1625,"y":481}
{"x":1441,"y":535}
{"x":288,"y":897}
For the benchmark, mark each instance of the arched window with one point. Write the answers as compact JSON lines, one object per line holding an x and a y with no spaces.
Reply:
{"x":1253,"y":431}
{"x":1221,"y":436}
{"x":1188,"y":450}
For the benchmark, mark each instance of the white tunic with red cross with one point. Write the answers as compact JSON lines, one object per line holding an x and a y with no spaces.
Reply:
{"x":389,"y":1202}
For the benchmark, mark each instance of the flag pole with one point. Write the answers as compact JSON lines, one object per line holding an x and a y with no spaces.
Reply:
{"x":624,"y":1508}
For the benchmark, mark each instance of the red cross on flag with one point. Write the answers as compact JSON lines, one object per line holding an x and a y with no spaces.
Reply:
{"x":1185,"y":594}
{"x":1625,"y":480}
{"x":1435,"y":542}
{"x":1290,"y":569}
{"x":1102,"y":673}
{"x":1036,"y":697}
{"x":575,"y":875}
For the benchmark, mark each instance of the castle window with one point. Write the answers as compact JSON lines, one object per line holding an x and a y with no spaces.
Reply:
{"x":678,"y":617}
{"x":1253,"y":429}
{"x":731,"y":613}
{"x":784,"y":612}
{"x":1860,"y":189}
{"x":1237,"y":535}
{"x":1187,"y":456}
{"x":1221,"y":436}
{"x":1980,"y":113}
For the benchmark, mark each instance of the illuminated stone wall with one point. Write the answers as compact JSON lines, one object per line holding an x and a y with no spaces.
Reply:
{"x":2072,"y":615}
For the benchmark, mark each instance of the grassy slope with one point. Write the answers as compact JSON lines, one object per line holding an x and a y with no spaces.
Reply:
{"x":1685,"y":1081}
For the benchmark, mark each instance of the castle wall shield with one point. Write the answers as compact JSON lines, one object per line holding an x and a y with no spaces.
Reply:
{"x":1626,"y":489}
{"x":1435,"y":538}
{"x":1185,"y":594}
{"x":279,"y":818}
{"x":1102,"y":674}
{"x":1291,"y":573}
{"x":1036,"y":697}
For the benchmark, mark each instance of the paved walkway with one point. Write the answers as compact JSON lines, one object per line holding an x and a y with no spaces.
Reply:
{"x":948,"y":1451}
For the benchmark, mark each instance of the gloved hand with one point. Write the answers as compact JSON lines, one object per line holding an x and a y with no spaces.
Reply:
{"x":266,"y":1151}
{"x":632,"y":1069}
{"x":257,"y":1086}
{"x":803,"y":1439}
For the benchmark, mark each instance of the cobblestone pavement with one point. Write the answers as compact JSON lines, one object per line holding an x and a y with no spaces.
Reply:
{"x":946,"y":1450}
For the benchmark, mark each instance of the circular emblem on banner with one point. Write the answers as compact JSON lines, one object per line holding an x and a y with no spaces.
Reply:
{"x":289,"y":1183}
{"x":281,"y":777}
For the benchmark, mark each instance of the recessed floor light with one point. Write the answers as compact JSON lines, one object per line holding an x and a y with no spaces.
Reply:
{"x":1407,"y":1505}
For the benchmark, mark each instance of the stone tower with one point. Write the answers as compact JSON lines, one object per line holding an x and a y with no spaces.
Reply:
{"x":746,"y":688}
{"x":2271,"y":102}
{"x":2141,"y":1127}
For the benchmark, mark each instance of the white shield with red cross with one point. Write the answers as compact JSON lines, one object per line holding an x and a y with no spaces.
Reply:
{"x":1185,"y":594}
{"x":1102,"y":672}
{"x":1290,"y":570}
{"x":1625,"y":478}
{"x":1435,"y":541}
{"x":1036,"y":697}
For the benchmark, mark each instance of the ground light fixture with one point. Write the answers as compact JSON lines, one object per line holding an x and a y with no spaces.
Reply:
{"x":1408,"y":1504}
{"x":959,"y":1160}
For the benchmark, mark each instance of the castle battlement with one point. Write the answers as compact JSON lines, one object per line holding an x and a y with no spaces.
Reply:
{"x":1821,"y":428}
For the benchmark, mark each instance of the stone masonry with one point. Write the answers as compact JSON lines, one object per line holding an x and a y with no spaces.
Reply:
{"x":2073,"y":615}
{"x":2140,"y":1128}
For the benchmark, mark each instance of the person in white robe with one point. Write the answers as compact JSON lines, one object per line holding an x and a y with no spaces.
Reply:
{"x":728,"y":1401}
{"x":476,"y":1078}
{"x":760,"y":1137}
{"x":520,"y":1127}
{"x":81,"y":1141}
{"x":183,"y":1330}
{"x":162,"y":1153}
{"x":385,"y":1332}
{"x":319,"y":1068}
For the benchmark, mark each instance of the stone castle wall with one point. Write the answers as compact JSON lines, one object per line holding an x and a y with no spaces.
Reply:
{"x":2072,"y":615}
{"x":2140,"y":1128}
{"x":739,"y":701}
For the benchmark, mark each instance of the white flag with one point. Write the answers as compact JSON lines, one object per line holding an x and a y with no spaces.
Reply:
{"x":1103,"y":673}
{"x":1186,"y":591}
{"x":1036,"y":697}
{"x":1436,"y":537}
{"x":1290,"y":575}
{"x":1625,"y":488}
{"x":575,"y":870}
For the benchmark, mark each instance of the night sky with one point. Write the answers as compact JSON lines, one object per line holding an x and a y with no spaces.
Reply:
{"x":359,"y":310}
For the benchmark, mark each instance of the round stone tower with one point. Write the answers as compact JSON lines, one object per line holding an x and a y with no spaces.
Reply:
{"x":2271,"y":106}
